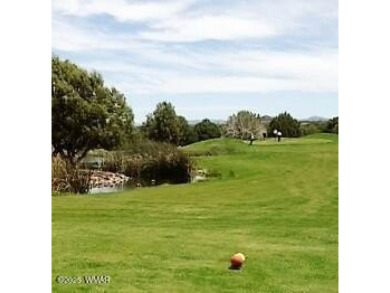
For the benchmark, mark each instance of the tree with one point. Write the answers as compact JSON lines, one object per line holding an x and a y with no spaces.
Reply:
{"x":192,"y":135}
{"x":207,"y":130}
{"x":85,"y":114}
{"x":187,"y":133}
{"x":243,"y":124}
{"x":332,"y":126}
{"x":286,"y":124}
{"x":163,"y":124}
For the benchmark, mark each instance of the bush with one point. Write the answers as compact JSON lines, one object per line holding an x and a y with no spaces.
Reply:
{"x":207,"y":130}
{"x":69,"y":178}
{"x":310,"y":128}
{"x":148,"y":160}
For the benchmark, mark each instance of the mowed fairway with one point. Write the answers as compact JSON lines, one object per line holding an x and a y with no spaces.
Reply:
{"x":276,"y":203}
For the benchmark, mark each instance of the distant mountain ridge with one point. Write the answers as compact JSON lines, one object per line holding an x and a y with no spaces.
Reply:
{"x":196,"y":121}
{"x":315,"y":119}
{"x":266,"y":118}
{"x":216,"y":121}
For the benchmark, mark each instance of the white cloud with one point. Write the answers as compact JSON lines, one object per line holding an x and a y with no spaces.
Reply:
{"x":239,"y":71}
{"x":120,"y":9}
{"x":159,"y":57}
{"x":211,"y":27}
{"x":178,"y":21}
{"x":235,"y":84}
{"x":69,"y":37}
{"x":174,"y":21}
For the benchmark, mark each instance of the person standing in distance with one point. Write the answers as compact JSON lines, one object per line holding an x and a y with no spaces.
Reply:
{"x":279,"y":136}
{"x":251,"y":138}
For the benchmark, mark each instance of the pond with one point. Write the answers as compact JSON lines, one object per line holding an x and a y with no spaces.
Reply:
{"x":108,"y":189}
{"x":111,"y":188}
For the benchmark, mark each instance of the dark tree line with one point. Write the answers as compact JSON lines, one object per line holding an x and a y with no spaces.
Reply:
{"x":166,"y":126}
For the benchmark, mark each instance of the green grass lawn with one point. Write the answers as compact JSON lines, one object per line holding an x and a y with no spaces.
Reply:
{"x":275,"y":202}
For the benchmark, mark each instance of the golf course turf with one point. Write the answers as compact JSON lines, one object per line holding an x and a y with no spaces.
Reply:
{"x":275,"y":202}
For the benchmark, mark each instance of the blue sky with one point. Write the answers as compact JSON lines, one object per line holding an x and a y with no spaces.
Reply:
{"x":209,"y":58}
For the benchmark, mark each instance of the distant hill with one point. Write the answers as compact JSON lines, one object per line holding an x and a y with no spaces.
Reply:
{"x":216,"y":121}
{"x":314,"y":119}
{"x":266,"y":118}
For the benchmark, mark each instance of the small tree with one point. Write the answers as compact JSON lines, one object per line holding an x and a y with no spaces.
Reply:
{"x":163,"y":124}
{"x":243,"y":124}
{"x":207,"y":130}
{"x":286,"y":124}
{"x":85,"y":114}
{"x":187,"y":133}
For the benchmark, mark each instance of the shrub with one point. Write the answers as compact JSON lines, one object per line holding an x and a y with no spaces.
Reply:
{"x":148,"y":160}
{"x":69,"y":178}
{"x":310,"y":128}
{"x":207,"y":130}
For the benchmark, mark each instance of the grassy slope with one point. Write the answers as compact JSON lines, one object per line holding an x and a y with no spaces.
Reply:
{"x":277,"y":203}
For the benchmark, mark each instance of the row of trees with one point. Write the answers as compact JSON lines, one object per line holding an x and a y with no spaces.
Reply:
{"x":165,"y":125}
{"x":88,"y":115}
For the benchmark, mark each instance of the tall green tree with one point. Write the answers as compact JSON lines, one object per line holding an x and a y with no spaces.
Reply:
{"x":163,"y":124}
{"x":85,"y":113}
{"x":286,"y":124}
{"x":207,"y":130}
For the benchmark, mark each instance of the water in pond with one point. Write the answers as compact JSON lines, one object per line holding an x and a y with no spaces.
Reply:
{"x":96,"y":190}
{"x":110,"y":189}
